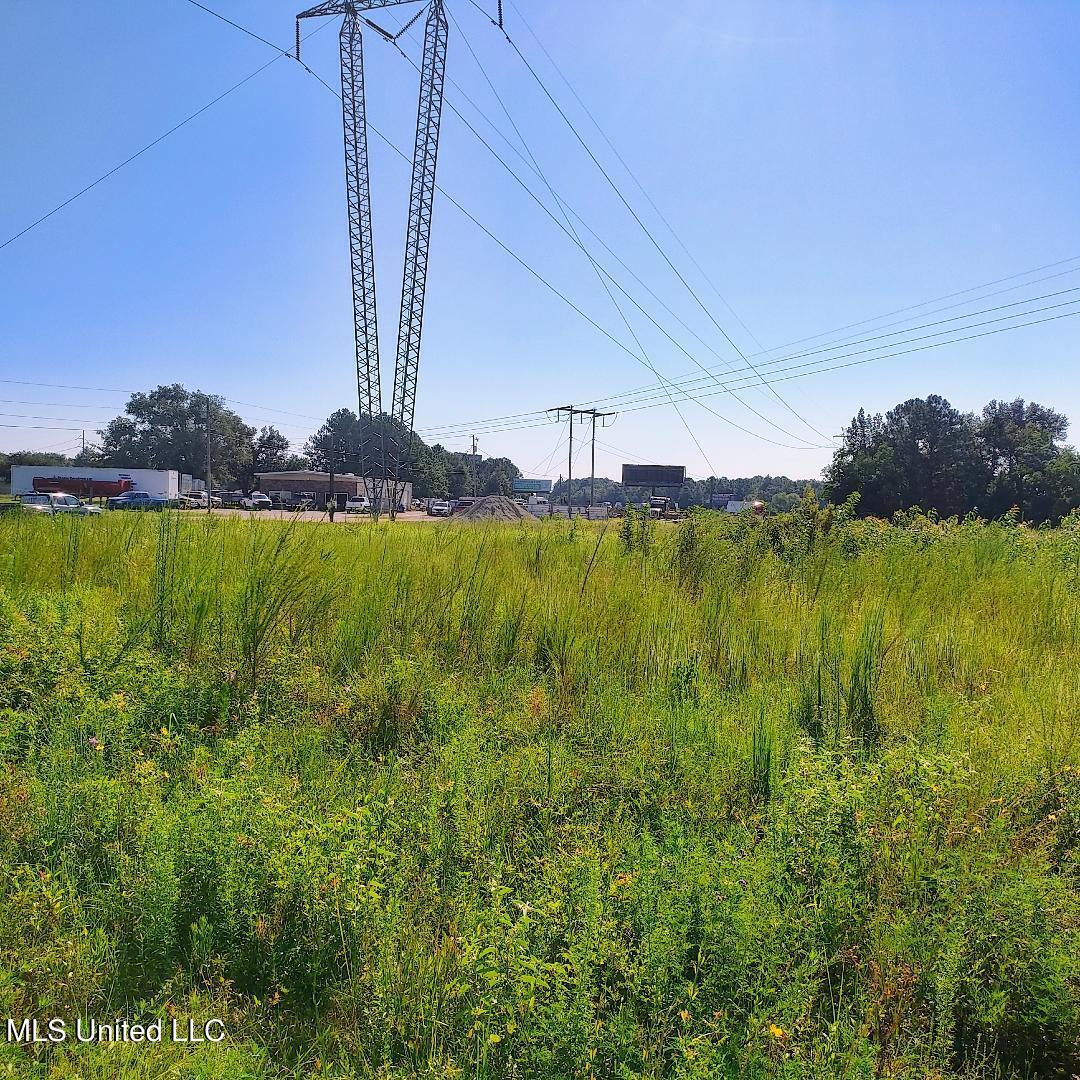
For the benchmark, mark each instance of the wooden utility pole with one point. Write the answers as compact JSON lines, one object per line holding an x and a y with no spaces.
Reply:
{"x":209,"y":485}
{"x":592,"y":474}
{"x":572,"y":412}
{"x":331,"y":505}
{"x":570,"y":471}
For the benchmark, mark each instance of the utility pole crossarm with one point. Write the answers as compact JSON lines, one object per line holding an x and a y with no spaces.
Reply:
{"x":347,"y":7}
{"x":342,"y":7}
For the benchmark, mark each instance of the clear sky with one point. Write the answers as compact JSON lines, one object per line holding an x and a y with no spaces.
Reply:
{"x":824,"y":163}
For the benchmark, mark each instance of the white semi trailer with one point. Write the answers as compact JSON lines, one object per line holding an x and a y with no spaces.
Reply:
{"x":165,"y":483}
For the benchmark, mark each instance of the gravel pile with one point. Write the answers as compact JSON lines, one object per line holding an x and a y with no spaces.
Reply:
{"x":494,"y":508}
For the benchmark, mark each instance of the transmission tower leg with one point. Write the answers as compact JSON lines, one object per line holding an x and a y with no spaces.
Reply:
{"x":429,"y":114}
{"x":372,"y":450}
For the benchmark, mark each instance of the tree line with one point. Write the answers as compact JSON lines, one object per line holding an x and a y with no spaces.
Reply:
{"x":1011,"y":457}
{"x":435,"y":472}
{"x":779,"y":493}
{"x":166,"y":428}
{"x":924,"y":453}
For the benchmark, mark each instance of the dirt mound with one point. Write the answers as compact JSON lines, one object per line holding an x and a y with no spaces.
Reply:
{"x":494,"y":508}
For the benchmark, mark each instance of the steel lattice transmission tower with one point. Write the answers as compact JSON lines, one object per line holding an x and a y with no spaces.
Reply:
{"x":396,"y":443}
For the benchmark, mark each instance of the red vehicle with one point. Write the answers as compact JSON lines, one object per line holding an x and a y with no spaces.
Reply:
{"x":83,"y":486}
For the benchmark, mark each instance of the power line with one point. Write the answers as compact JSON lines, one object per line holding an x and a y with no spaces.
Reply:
{"x":547,"y":461}
{"x":641,"y":348}
{"x":948,"y":296}
{"x":656,"y":209}
{"x":855,"y":340}
{"x":242,"y":29}
{"x":487,"y":232}
{"x":633,"y":213}
{"x":137,"y":154}
{"x":565,"y":207}
{"x":692,"y":382}
{"x":57,"y":404}
{"x":592,"y":261}
{"x":886,"y":356}
{"x":28,"y":416}
{"x":690,"y":379}
{"x":495,"y":239}
{"x":602,"y":273}
{"x":38,"y":427}
{"x":817,"y":367}
{"x":161,"y":138}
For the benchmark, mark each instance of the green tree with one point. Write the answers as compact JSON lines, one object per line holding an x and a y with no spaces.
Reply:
{"x":434,"y":471}
{"x":925,"y":453}
{"x":166,"y":429}
{"x":922,"y":453}
{"x":270,"y":452}
{"x":432,"y":479}
{"x":1019,"y":442}
{"x":346,"y":433}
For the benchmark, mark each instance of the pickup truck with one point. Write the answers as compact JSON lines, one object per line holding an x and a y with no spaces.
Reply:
{"x":139,"y":500}
{"x":196,"y":500}
{"x":56,"y":502}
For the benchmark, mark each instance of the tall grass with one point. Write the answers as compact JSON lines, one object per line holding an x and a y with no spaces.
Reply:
{"x":786,"y":798}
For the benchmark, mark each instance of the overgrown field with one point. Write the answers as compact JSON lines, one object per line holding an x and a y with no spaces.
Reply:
{"x":795,"y":797}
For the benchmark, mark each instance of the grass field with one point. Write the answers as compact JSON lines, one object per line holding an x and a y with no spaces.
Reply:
{"x":796,"y":797}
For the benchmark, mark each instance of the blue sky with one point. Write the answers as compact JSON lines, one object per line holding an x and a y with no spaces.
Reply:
{"x":823,"y":162}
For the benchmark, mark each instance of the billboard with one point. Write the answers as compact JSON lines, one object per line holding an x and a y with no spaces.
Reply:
{"x":532,"y":487}
{"x":653,"y":475}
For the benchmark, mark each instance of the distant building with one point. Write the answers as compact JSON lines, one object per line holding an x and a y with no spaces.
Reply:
{"x":287,"y":488}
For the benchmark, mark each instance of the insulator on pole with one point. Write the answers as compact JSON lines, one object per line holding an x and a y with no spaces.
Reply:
{"x":297,"y":39}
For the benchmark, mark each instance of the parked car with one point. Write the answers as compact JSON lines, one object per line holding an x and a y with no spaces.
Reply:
{"x":439,"y":508}
{"x":57,"y":502}
{"x":139,"y":500}
{"x":358,"y":504}
{"x":256,"y":501}
{"x":17,"y":506}
{"x":196,"y":500}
